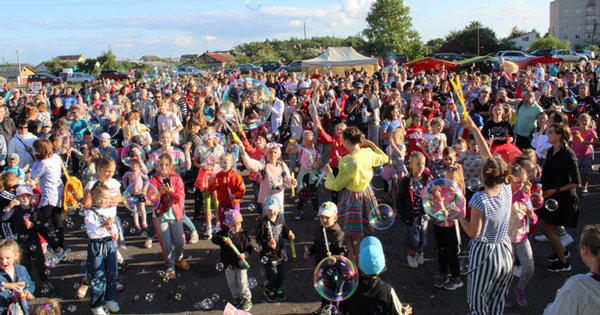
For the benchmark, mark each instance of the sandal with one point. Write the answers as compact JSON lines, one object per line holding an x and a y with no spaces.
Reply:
{"x":82,"y":291}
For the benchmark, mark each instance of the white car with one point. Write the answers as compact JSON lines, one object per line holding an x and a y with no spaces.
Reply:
{"x":512,"y":55}
{"x":567,"y":55}
{"x":193,"y":71}
{"x":79,"y":77}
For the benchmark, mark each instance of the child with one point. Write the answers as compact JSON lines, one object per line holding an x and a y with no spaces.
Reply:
{"x":258,"y":154}
{"x":107,"y":150}
{"x":13,"y":166}
{"x":91,"y":156}
{"x":270,"y":235}
{"x":310,"y":162}
{"x":15,"y":283}
{"x":235,"y":271}
{"x":460,"y":145}
{"x":436,"y":143}
{"x":584,"y":138}
{"x":21,"y":222}
{"x":102,"y":231}
{"x":328,"y":240}
{"x":451,"y":119}
{"x":168,"y":215}
{"x":409,"y":206}
{"x":337,"y":152}
{"x":139,"y":180}
{"x":471,"y":162}
{"x":396,"y":151}
{"x":168,"y":121}
{"x":414,"y":132}
{"x":50,"y":308}
{"x":229,"y":188}
{"x":521,"y":217}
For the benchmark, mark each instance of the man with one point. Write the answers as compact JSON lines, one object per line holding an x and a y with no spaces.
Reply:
{"x":148,"y":108}
{"x":68,"y":98}
{"x":292,"y":85}
{"x":527,"y":111}
{"x":540,"y":73}
{"x":358,"y":108}
{"x":7,"y":125}
{"x":276,"y":85}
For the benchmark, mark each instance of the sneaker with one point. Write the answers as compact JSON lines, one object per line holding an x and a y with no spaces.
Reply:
{"x":420,"y":259}
{"x":98,"y":311}
{"x":521,"y":296}
{"x":453,"y":284}
{"x":246,"y":305}
{"x":148,"y":243}
{"x":507,"y":302}
{"x":565,"y":239}
{"x":279,"y":295}
{"x":557,"y":266}
{"x":584,"y":192}
{"x":182,"y":264}
{"x":412,"y":261}
{"x":554,"y":257}
{"x":441,"y":281}
{"x":119,"y":286}
{"x":171,"y":274}
{"x":208,"y":234}
{"x":113,"y":306}
{"x":237,"y":302}
{"x":517,"y":271}
{"x":270,"y":295}
{"x":194,"y":238}
{"x":541,"y":238}
{"x":298,"y":216}
{"x":47,"y":287}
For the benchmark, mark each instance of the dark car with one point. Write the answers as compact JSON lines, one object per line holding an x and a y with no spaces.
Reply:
{"x":44,"y":78}
{"x":400,"y":58}
{"x":271,"y":66}
{"x":115,"y":75}
{"x":245,"y":68}
{"x":294,"y":66}
{"x":449,"y":57}
{"x":542,"y":53}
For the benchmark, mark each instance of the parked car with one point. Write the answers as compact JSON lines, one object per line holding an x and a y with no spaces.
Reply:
{"x":271,"y":66}
{"x":193,"y":71}
{"x":44,"y":78}
{"x":295,"y":66}
{"x":79,"y":77}
{"x":400,"y":58}
{"x":543,"y":52}
{"x":567,"y":55}
{"x":115,"y":75}
{"x":449,"y":57}
{"x":590,"y":54}
{"x":245,"y":68}
{"x":512,"y":55}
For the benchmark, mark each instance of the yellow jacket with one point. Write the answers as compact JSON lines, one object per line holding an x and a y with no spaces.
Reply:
{"x":356,"y":170}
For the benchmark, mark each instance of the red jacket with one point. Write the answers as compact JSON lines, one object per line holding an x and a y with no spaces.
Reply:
{"x":337,"y":147}
{"x":255,"y":154}
{"x":177,"y":197}
{"x":227,"y":183}
{"x":343,"y":115}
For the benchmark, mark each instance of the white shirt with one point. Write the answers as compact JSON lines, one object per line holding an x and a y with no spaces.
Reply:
{"x":277,"y":114}
{"x":93,"y":222}
{"x":18,"y":144}
{"x":114,"y":186}
{"x":49,"y":171}
{"x":169,"y":122}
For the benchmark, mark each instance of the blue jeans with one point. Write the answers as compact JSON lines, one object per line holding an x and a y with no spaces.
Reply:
{"x":416,"y":236}
{"x":151,"y":231}
{"x":275,"y":275}
{"x":102,"y":271}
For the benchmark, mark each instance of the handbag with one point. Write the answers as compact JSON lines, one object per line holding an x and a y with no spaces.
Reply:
{"x":387,"y":171}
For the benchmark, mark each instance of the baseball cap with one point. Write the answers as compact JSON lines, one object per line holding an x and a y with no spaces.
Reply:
{"x":449,"y":101}
{"x":328,"y":209}
{"x":104,"y":136}
{"x":46,"y":124}
{"x":357,"y":85}
{"x":272,"y":203}
{"x":304,"y":85}
{"x":372,"y":259}
{"x":233,"y":216}
{"x":24,"y":190}
{"x":14,"y":156}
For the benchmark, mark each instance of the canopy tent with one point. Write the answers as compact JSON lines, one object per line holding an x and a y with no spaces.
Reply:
{"x":534,"y":60}
{"x":431,"y":63}
{"x":487,"y":64}
{"x":340,"y":59}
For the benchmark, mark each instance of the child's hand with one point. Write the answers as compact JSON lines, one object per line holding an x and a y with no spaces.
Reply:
{"x":327,"y":169}
{"x":294,"y":182}
{"x":242,"y":257}
{"x":187,"y":147}
{"x":13,"y":203}
{"x":17,"y":286}
{"x":407,"y":309}
{"x":232,"y":197}
{"x":167,"y":189}
{"x":227,"y":241}
{"x":529,"y":213}
{"x":328,"y":254}
{"x":292,"y":236}
{"x":28,"y":225}
{"x":272,"y":243}
{"x":307,"y":255}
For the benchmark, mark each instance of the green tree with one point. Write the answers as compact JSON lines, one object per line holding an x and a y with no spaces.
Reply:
{"x":89,"y":66}
{"x":107,"y":60}
{"x":550,"y":42}
{"x":390,"y":30}
{"x":434,"y":45}
{"x":56,"y":65}
{"x":472,"y":34}
{"x":592,"y":48}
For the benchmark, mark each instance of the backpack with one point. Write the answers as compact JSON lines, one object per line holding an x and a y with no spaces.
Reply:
{"x":73,"y":191}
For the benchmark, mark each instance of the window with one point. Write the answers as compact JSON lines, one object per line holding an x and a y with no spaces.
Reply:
{"x":589,"y":36}
{"x":566,"y":28}
{"x":566,"y":10}
{"x":577,"y":19}
{"x":591,"y":8}
{"x":589,"y":27}
{"x":566,"y":20}
{"x":590,"y":18}
{"x":566,"y":37}
{"x":577,"y":37}
{"x":578,"y":10}
{"x":526,"y":39}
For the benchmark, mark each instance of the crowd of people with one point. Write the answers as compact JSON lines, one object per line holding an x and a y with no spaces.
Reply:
{"x":521,"y":152}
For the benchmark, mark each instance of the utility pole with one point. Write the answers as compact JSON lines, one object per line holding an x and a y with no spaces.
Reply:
{"x":19,"y":65}
{"x":478,"y":41}
{"x":205,"y":46}
{"x":305,"y":30}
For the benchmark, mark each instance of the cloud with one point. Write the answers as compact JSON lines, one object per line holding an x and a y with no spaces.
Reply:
{"x":210,"y":38}
{"x":295,"y":23}
{"x":182,"y":40}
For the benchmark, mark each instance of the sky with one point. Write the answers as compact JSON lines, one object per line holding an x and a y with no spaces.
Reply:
{"x":44,"y":29}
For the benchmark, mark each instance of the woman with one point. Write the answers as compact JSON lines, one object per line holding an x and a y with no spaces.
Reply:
{"x":581,"y":293}
{"x":354,"y":177}
{"x":560,"y":178}
{"x":292,"y":115}
{"x":22,"y":144}
{"x":482,"y":104}
{"x":444,"y":92}
{"x":391,"y":119}
{"x":490,"y":250}
{"x":372,"y":92}
{"x":500,"y":134}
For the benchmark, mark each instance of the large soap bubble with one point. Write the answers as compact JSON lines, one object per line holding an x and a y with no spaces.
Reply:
{"x":568,"y":104}
{"x":253,"y":5}
{"x":141,"y":199}
{"x":104,"y":119}
{"x":130,"y":152}
{"x":257,"y":101}
{"x":441,"y":195}
{"x":161,"y":74}
{"x":335,"y":278}
{"x":382,"y":217}
{"x":536,"y":200}
{"x":214,"y":137}
{"x":64,"y":136}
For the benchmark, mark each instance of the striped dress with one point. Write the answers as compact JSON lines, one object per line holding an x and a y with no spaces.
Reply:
{"x":490,"y":255}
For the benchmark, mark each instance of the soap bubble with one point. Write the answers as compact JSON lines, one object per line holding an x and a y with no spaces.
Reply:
{"x":65,"y":139}
{"x":568,"y":104}
{"x":264,"y":260}
{"x":551,"y":205}
{"x":252,"y":283}
{"x":72,"y":308}
{"x":273,"y":135}
{"x":76,"y":285}
{"x":252,"y":207}
{"x":536,"y":200}
{"x":133,"y":230}
{"x":339,"y":283}
{"x":257,"y":248}
{"x":382,"y":217}
{"x":33,"y":248}
{"x":47,"y":272}
{"x":441,"y":195}
{"x":215,"y":138}
{"x":52,"y":261}
{"x":258,"y":99}
{"x":253,"y":5}
{"x":137,"y":297}
{"x":125,"y":224}
{"x":422,"y":143}
{"x":330,"y":310}
{"x":206,"y":304}
{"x":132,"y":152}
{"x":178,"y":296}
{"x":70,"y":224}
{"x":104,"y":119}
{"x":149,"y":297}
{"x":441,"y":173}
{"x":161,"y":74}
{"x":416,"y":185}
{"x":220,"y":267}
{"x":215,"y":297}
{"x":150,"y":198}
{"x":474,"y":184}
{"x":377,"y":170}
{"x":348,"y":162}
{"x":464,"y":265}
{"x":302,"y":185}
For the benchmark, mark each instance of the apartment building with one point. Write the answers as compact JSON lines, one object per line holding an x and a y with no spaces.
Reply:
{"x":575,"y":21}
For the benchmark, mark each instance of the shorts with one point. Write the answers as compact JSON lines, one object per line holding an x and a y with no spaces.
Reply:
{"x":585,"y":164}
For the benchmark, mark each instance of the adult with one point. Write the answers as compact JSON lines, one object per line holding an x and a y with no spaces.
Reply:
{"x":354,"y":178}
{"x":22,"y":145}
{"x":482,"y":104}
{"x":539,"y":74}
{"x":16,"y":104}
{"x":527,"y":111}
{"x":358,"y":108}
{"x":7,"y":125}
{"x":560,"y":178}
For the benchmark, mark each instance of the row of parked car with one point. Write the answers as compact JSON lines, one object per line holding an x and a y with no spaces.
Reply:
{"x":77,"y":77}
{"x":566,"y":55}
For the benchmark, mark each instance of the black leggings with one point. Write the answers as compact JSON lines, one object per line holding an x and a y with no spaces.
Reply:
{"x":334,"y":194}
{"x":304,"y":194}
{"x":55,"y":214}
{"x":447,"y":249}
{"x":31,"y":251}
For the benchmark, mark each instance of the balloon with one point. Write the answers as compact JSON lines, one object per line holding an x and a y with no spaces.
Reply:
{"x":130,"y":152}
{"x":161,"y":74}
{"x":151,"y":198}
{"x":335,"y":278}
{"x":551,"y":205}
{"x":474,"y":184}
{"x":441,"y":195}
{"x":536,"y":200}
{"x":382,"y":218}
{"x":568,"y":104}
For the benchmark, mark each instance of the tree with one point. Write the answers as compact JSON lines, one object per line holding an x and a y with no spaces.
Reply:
{"x":434,"y":45}
{"x":107,"y":60}
{"x":89,"y":66}
{"x":550,"y":42}
{"x":472,"y":34}
{"x":389,"y":30}
{"x":56,"y":65}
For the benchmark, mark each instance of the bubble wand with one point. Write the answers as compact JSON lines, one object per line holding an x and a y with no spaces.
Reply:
{"x":456,"y":86}
{"x":293,"y":190}
{"x":237,"y":252}
{"x":293,"y":244}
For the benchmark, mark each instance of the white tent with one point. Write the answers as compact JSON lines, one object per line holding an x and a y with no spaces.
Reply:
{"x":340,"y":59}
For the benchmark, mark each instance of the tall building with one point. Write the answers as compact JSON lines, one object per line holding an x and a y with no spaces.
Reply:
{"x":575,"y":21}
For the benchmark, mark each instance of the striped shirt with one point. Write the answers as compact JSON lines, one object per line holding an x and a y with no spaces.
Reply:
{"x":496,"y":215}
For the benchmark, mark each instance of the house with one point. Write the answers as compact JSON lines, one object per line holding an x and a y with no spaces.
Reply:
{"x":217,"y":59}
{"x":190,"y":56}
{"x":11,"y":73}
{"x":2,"y":80}
{"x":72,"y":58}
{"x":524,"y":42}
{"x":149,"y":58}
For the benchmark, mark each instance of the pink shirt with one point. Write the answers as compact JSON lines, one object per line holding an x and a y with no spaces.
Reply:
{"x":517,"y":228}
{"x":308,"y":157}
{"x":578,"y":147}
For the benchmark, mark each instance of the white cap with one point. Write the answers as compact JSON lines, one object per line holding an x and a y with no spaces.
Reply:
{"x":328,"y":209}
{"x":104,"y":136}
{"x":304,"y":85}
